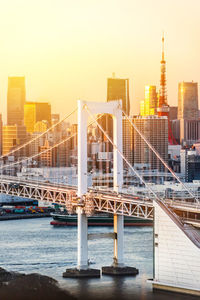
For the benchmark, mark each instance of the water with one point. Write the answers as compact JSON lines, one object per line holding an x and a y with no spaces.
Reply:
{"x":33,"y":246}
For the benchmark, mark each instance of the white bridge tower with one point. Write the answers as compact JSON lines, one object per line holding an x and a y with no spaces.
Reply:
{"x":113,"y":108}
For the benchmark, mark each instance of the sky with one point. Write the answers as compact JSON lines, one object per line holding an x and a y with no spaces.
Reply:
{"x":67,"y":49}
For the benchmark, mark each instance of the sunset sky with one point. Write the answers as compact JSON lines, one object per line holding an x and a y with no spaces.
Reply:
{"x":66,"y":49}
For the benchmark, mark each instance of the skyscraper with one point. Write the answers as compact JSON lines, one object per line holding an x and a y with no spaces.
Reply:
{"x":16,"y":98}
{"x":188,"y":101}
{"x":41,"y":126}
{"x":149,"y":105}
{"x":119,"y":89}
{"x":1,"y":133}
{"x":34,"y":112}
{"x":173,"y":113}
{"x":155,"y":130}
{"x":46,"y":157}
{"x":74,"y":144}
{"x":188,"y":117}
{"x":35,"y":146}
{"x":13,"y":136}
{"x":128,"y":137}
{"x":55,"y":118}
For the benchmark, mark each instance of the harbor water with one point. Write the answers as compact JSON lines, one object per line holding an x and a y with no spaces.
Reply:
{"x":34,"y":246}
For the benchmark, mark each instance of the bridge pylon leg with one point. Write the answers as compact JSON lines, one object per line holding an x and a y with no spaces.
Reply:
{"x":118,"y":241}
{"x":118,"y":268}
{"x":82,"y":239}
{"x":82,"y":270}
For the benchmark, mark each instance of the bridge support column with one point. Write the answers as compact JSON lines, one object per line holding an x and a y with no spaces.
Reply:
{"x":82,"y":239}
{"x":118,"y":241}
{"x":118,"y":268}
{"x":82,"y":269}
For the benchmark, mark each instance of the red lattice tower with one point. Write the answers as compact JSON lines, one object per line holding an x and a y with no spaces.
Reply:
{"x":163,"y":107}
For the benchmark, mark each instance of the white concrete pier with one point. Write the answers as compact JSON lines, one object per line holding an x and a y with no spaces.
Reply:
{"x":82,"y":239}
{"x":119,"y":241}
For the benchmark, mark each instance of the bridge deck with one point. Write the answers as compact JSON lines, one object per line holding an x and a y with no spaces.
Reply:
{"x":102,"y":201}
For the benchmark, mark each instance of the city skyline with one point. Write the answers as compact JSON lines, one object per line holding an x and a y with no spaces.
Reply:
{"x":86,"y":42}
{"x":102,"y":128}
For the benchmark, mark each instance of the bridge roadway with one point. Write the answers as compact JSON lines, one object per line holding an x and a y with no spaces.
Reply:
{"x":102,"y":201}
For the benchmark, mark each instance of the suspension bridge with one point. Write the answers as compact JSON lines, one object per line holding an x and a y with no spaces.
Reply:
{"x":176,"y":216}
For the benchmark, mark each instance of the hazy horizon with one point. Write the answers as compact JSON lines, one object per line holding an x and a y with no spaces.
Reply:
{"x":67,"y":50}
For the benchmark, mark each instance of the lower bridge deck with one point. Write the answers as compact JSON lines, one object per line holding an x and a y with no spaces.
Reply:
{"x":122,"y":204}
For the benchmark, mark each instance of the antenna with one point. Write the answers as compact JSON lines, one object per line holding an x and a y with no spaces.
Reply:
{"x":163,"y":40}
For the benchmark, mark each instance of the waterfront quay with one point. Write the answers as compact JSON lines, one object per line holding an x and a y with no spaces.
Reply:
{"x":16,"y":212}
{"x":9,"y":217}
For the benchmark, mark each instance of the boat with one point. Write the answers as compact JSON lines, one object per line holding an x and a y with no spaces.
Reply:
{"x":97,"y":220}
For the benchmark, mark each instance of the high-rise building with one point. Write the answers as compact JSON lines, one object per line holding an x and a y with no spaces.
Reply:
{"x":128,"y":137}
{"x":74,"y":140}
{"x":188,"y":114}
{"x":155,"y":130}
{"x":173,"y":113}
{"x":174,"y":125}
{"x":35,"y":145}
{"x":175,"y":128}
{"x":190,"y":164}
{"x":117,"y":89}
{"x":189,"y":131}
{"x":106,"y":122}
{"x":41,"y":126}
{"x":149,"y":105}
{"x":61,"y":155}
{"x":188,"y":101}
{"x":74,"y":144}
{"x":55,"y":118}
{"x":1,"y":133}
{"x":16,"y":98}
{"x":186,"y":132}
{"x":34,"y":112}
{"x":46,"y":156}
{"x":13,"y":136}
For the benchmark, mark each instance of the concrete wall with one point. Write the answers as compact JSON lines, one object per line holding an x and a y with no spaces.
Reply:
{"x":177,"y":258}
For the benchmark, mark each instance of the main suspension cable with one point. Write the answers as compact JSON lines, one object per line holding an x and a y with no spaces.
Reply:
{"x":159,"y":157}
{"x":38,"y":136}
{"x":115,"y":147}
{"x":46,"y":150}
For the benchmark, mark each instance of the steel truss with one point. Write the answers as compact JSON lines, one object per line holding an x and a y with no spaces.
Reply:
{"x":116,"y":204}
{"x":93,"y":201}
{"x":37,"y":191}
{"x":101,"y":202}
